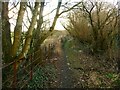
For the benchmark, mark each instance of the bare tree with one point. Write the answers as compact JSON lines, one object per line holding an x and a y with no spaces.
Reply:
{"x":99,"y":20}
{"x":57,"y":15}
{"x":18,"y":30}
{"x":15,"y":50}
{"x":30,"y":32}
{"x":100,"y":16}
{"x":6,"y":38}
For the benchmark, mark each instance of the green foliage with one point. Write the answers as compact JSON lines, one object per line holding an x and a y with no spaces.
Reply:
{"x":114,"y":78}
{"x":117,"y":82}
{"x":111,"y":76}
{"x":42,"y":77}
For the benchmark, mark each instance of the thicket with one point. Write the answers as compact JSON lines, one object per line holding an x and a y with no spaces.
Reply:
{"x":95,"y":24}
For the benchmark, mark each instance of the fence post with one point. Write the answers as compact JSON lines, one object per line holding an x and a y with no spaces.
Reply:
{"x":48,"y":53}
{"x":31,"y":69}
{"x":15,"y":74}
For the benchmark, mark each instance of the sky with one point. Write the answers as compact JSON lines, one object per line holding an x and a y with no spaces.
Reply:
{"x":50,"y":6}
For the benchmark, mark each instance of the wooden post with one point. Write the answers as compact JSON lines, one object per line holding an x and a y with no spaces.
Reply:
{"x":31,"y":69}
{"x":15,"y":74}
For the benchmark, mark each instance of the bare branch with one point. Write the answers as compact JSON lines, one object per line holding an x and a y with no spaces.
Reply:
{"x":28,"y":16}
{"x":89,"y":13}
{"x":69,"y":9}
{"x":14,"y":6}
{"x":30,"y":7}
{"x":107,"y":17}
{"x":50,"y":12}
{"x":25,"y":25}
{"x":15,"y":13}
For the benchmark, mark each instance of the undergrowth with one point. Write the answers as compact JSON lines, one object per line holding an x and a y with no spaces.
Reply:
{"x":91,"y":71}
{"x":43,"y":77}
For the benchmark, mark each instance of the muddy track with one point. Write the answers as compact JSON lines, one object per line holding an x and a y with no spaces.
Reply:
{"x":65,"y":74}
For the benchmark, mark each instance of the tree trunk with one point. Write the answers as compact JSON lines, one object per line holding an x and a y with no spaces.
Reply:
{"x":56,"y":16}
{"x":18,"y":30}
{"x":6,"y":37}
{"x":30,"y":32}
{"x":53,"y":24}
{"x":37,"y":34}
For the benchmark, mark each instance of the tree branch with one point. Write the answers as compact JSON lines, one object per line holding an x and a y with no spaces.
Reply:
{"x":13,"y":6}
{"x":69,"y":9}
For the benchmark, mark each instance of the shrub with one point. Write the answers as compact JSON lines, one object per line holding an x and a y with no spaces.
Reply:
{"x":42,"y":77}
{"x":96,"y":26}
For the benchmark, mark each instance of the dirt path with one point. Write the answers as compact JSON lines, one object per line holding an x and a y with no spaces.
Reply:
{"x":86,"y":70}
{"x":64,"y":73}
